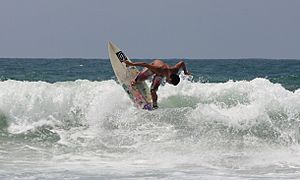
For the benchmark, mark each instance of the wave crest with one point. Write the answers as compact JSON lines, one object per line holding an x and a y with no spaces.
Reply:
{"x":85,"y":112}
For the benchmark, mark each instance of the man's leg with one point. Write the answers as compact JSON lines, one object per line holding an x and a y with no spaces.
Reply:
{"x":154,"y":98}
{"x":154,"y":87}
{"x":142,"y":76}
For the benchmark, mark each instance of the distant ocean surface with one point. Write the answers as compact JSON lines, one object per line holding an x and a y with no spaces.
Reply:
{"x":69,"y":119}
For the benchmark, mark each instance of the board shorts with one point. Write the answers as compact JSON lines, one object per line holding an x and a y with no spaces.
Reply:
{"x":146,"y":74}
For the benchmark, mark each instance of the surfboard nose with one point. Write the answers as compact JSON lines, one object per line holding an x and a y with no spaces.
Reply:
{"x":113,"y":47}
{"x":109,"y":44}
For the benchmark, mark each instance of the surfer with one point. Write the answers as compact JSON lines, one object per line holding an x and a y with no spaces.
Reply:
{"x":159,"y":70}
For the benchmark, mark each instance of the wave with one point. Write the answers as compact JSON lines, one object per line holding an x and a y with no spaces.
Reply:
{"x":100,"y":115}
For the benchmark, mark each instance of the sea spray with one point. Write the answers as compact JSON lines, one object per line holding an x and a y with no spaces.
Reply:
{"x":239,"y":105}
{"x":236,"y":125}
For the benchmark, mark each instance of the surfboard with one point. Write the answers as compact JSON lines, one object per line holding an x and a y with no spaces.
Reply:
{"x":140,"y":93}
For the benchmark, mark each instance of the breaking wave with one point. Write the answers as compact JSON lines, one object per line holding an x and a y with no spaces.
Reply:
{"x":98,"y":117}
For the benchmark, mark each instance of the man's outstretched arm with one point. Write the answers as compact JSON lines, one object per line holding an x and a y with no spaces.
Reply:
{"x":141,"y":64}
{"x":179,"y":65}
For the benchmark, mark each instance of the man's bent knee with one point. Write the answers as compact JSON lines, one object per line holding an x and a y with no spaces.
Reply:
{"x":153,"y":90}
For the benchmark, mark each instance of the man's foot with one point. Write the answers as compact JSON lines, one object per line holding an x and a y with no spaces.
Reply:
{"x":155,"y":106}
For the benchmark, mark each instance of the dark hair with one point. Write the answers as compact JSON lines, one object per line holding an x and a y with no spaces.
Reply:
{"x":174,"y":79}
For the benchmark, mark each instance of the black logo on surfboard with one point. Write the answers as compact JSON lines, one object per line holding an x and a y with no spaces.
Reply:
{"x":121,"y":56}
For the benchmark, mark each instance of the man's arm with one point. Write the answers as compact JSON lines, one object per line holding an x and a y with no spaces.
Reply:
{"x":141,"y":64}
{"x":179,"y":65}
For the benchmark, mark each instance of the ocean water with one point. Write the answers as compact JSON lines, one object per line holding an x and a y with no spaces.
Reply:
{"x":69,"y":119}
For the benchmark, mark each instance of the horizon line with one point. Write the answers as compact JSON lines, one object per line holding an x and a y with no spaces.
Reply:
{"x":172,"y":58}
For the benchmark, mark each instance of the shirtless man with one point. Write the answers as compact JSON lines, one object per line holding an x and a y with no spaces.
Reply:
{"x":158,"y":69}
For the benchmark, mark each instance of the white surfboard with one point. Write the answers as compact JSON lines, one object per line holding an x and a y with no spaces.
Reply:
{"x":140,"y":93}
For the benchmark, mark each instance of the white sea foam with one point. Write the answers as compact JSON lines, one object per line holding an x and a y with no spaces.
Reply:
{"x":242,"y":104}
{"x":239,"y":125}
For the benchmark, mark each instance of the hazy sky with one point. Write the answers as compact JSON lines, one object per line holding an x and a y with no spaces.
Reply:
{"x":150,"y":28}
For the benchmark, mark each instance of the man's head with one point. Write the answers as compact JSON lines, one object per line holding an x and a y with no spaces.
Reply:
{"x":174,"y":79}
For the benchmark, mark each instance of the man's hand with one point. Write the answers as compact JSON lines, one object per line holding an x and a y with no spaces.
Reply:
{"x":128,"y":63}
